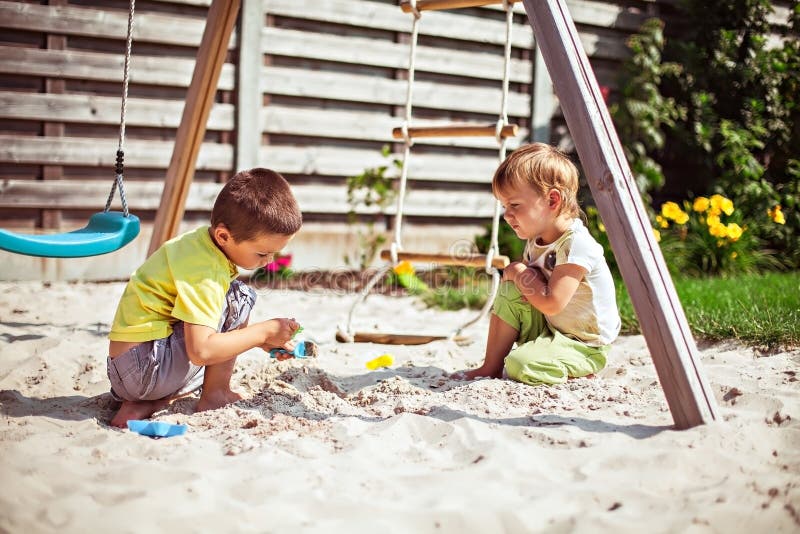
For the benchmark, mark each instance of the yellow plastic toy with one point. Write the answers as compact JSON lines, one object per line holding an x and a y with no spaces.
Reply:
{"x":384,"y":360}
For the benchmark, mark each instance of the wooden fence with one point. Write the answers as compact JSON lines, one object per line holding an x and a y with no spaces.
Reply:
{"x":312,"y":89}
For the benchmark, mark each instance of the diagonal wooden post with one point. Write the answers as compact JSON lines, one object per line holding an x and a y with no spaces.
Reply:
{"x":199,"y":98}
{"x":641,"y":263}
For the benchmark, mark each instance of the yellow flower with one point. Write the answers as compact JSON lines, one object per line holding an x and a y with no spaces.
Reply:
{"x":718,"y":230}
{"x":734,"y":255}
{"x":700,"y":204}
{"x":734,"y":231}
{"x":712,"y":220}
{"x":601,"y":227}
{"x":657,"y":234}
{"x":669,"y":210}
{"x":404,"y":267}
{"x":662,"y":222}
{"x":721,"y":204}
{"x":727,"y":206}
{"x":776,"y":215}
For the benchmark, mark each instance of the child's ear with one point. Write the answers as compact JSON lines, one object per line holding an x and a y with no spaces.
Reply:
{"x":554,"y":198}
{"x":221,"y":233}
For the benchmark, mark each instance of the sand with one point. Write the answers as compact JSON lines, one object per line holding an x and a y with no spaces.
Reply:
{"x":326,"y":445}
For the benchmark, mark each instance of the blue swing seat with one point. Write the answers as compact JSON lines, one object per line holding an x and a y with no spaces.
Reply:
{"x":106,"y":232}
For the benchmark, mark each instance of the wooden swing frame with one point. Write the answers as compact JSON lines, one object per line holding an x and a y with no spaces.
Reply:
{"x":641,"y":263}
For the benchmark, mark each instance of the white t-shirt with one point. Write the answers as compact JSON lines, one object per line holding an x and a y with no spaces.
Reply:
{"x":591,"y":316}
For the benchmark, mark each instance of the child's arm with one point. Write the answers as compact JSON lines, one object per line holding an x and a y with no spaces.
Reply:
{"x":549,"y":297}
{"x":206,"y":346}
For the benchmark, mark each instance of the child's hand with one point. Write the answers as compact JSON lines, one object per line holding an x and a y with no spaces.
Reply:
{"x":279,"y":332}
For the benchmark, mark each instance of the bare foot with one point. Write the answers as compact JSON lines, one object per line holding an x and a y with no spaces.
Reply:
{"x":213,"y":399}
{"x":474,"y":374}
{"x":136,"y":410}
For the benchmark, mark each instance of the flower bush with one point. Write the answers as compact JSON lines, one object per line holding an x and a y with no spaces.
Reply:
{"x":703,"y":236}
{"x":707,"y":236}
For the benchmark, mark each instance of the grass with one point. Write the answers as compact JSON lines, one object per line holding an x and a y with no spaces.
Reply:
{"x":759,"y":309}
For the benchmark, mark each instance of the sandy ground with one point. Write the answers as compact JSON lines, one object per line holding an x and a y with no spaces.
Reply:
{"x":326,"y":445}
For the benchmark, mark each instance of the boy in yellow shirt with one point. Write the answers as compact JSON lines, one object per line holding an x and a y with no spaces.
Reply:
{"x":183,"y":318}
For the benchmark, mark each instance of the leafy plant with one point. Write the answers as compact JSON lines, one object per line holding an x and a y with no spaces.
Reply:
{"x":729,"y":115}
{"x":373,"y":187}
{"x":643,"y":112}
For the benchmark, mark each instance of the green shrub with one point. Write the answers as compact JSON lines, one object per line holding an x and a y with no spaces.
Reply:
{"x":729,"y":115}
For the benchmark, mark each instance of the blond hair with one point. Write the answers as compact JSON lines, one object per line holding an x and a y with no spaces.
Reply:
{"x":542,"y":167}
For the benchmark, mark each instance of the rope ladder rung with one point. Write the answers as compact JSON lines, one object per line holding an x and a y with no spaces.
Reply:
{"x":457,"y":130}
{"x":466,"y":260}
{"x":436,"y":5}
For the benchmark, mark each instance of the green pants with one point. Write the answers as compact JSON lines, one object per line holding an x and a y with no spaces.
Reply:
{"x":542,"y":355}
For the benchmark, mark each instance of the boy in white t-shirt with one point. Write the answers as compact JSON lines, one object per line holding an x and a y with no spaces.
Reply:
{"x":558,"y":305}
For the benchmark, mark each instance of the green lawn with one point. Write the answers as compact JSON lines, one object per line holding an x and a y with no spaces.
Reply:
{"x":758,"y":309}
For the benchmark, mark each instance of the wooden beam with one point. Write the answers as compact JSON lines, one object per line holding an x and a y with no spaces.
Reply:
{"x":466,"y":260}
{"x":395,"y":339}
{"x":199,"y":99}
{"x":249,"y":91}
{"x":431,"y":5}
{"x":51,"y":219}
{"x":652,"y":292}
{"x":543,"y":101}
{"x":457,"y":130}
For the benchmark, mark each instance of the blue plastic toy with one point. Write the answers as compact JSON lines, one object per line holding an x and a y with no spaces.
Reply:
{"x":156,"y":429}
{"x":303,"y":349}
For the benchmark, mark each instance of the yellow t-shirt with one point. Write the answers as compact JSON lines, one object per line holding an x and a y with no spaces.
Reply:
{"x":184,"y":280}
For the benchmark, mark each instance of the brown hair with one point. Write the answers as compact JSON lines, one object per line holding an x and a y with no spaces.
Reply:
{"x":544,"y":168}
{"x":254,"y":202}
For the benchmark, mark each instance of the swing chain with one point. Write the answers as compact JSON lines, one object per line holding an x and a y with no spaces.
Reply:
{"x":119,"y":167}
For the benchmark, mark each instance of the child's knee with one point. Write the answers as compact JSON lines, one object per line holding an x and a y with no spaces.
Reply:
{"x":508,"y":292}
{"x":534,"y":371}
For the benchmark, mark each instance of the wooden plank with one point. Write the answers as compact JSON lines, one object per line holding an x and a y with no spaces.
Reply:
{"x":388,"y":17}
{"x":313,"y":198}
{"x":342,"y":161}
{"x":380,"y":53}
{"x":189,"y":138}
{"x":456,"y":25}
{"x":543,"y":104}
{"x":469,"y":260}
{"x":392,"y":339}
{"x":345,"y":124}
{"x":70,"y":64}
{"x":249,"y":91}
{"x":432,"y":5}
{"x":104,"y":23}
{"x":321,"y":160}
{"x":359,"y":88}
{"x":641,"y":263}
{"x":95,"y":109}
{"x":606,"y":15}
{"x":52,"y":218}
{"x":145,"y":154}
{"x":459,"y":130}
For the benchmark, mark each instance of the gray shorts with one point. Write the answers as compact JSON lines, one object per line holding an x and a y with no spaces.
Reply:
{"x":161,"y":368}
